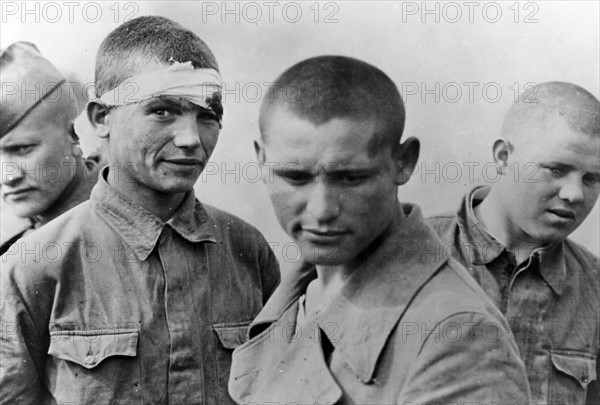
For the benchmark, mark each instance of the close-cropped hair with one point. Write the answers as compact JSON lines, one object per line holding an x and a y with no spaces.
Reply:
{"x":536,"y":105}
{"x":322,"y":88}
{"x":143,"y":40}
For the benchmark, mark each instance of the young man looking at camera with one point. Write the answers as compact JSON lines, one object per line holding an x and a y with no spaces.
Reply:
{"x":151,"y":289}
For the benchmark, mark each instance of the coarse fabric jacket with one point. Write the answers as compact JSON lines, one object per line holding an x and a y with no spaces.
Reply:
{"x":109,"y":304}
{"x":551,"y":301}
{"x":405,"y":328}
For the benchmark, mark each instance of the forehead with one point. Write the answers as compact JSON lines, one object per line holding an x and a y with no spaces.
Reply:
{"x":289,"y":138}
{"x":555,"y":140}
{"x":41,"y":124}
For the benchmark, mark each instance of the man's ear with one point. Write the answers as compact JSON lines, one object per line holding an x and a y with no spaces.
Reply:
{"x":500,"y":152}
{"x":259,"y":148}
{"x":97,"y":114}
{"x":406,"y":156}
{"x":260,"y":152}
{"x":76,"y":149}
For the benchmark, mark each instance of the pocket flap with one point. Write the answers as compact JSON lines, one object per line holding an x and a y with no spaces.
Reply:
{"x":580,"y":367}
{"x":90,"y":348}
{"x":232,"y":335}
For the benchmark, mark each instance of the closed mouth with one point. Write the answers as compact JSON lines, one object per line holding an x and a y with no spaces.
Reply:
{"x":185,"y":161}
{"x":18,"y":192}
{"x":562,"y":213}
{"x":325,"y":233}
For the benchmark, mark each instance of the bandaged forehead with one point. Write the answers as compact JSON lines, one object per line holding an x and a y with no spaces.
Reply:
{"x":201,"y":87}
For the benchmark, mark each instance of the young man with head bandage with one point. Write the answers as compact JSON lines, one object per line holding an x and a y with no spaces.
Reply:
{"x":152,"y":290}
{"x":44,"y":173}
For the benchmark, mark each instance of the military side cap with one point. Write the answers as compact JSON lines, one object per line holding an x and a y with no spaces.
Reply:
{"x":27,"y":79}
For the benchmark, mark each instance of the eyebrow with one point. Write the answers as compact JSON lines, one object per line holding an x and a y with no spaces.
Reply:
{"x":173,"y":102}
{"x":566,"y":166}
{"x":177,"y":102}
{"x":337,"y":171}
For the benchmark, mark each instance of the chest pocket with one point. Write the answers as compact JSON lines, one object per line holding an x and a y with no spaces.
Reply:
{"x":98,"y":366}
{"x":229,"y":336}
{"x":572,"y":373}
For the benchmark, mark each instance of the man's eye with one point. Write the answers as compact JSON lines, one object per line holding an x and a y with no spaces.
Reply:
{"x":23,"y":149}
{"x":591,"y":180}
{"x":557,"y":171}
{"x":162,"y":113}
{"x":353,"y":179}
{"x":348,"y":179}
{"x":297,"y":178}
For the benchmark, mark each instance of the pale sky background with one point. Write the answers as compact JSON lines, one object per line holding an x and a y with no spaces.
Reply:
{"x":493,"y":46}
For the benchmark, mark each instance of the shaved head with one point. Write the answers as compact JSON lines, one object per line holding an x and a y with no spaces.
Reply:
{"x":322,"y":88}
{"x":537,"y":106}
{"x":143,"y":41}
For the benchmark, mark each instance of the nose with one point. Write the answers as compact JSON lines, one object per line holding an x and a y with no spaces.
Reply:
{"x":187,"y":132}
{"x":11,"y":174}
{"x":572,"y":189}
{"x":323,"y":203}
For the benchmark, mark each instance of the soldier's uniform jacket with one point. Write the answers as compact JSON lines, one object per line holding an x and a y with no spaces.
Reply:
{"x":407,"y":327}
{"x":551,"y":301}
{"x":109,"y":304}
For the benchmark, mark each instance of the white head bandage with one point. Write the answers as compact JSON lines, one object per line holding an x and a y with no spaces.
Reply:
{"x":199,"y":86}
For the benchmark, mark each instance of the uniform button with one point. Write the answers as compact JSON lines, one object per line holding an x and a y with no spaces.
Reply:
{"x":90,"y":360}
{"x":584,"y":378}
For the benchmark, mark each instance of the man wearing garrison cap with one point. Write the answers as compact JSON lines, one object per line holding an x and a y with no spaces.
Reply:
{"x":43,"y":171}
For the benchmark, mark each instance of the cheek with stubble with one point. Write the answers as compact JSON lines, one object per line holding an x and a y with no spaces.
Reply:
{"x":288,"y":209}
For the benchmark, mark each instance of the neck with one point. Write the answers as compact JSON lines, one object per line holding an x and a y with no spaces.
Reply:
{"x":78,"y":191}
{"x":328,"y":277}
{"x":163,"y":205}
{"x":497,"y":222}
{"x":319,"y":293}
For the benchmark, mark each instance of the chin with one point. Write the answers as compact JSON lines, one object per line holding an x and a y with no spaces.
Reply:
{"x":26,"y":212}
{"x":177,"y":188}
{"x":326,"y":258}
{"x":552,"y":236}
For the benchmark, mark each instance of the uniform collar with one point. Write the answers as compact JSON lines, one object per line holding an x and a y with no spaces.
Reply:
{"x":553,"y":267}
{"x":139,"y":228}
{"x":375,"y":296}
{"x":482,"y":248}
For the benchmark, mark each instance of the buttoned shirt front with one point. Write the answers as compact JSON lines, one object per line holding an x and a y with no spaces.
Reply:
{"x":109,"y":304}
{"x":551,"y":300}
{"x":406,"y":328}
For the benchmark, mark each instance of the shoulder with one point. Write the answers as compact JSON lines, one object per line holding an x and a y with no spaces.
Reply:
{"x":45,"y":248}
{"x":453,"y":324}
{"x":245,"y":245}
{"x":233,"y":227}
{"x":442,"y":223}
{"x":453,"y":291}
{"x":68,"y":226}
{"x":577,"y":255}
{"x":580,"y":253}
